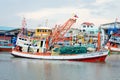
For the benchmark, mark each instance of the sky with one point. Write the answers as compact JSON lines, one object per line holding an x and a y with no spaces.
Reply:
{"x":51,"y":12}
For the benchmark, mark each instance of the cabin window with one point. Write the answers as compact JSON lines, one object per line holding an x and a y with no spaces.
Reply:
{"x":37,"y":50}
{"x":48,"y":30}
{"x":45,"y":30}
{"x":83,"y":30}
{"x":42,"y":30}
{"x":91,"y":32}
{"x":84,"y":26}
{"x":25,"y":39}
{"x":20,"y":38}
{"x":37,"y":30}
{"x":26,"y":44}
{"x":41,"y":43}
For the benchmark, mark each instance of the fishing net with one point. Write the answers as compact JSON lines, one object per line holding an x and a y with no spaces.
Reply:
{"x":71,"y":50}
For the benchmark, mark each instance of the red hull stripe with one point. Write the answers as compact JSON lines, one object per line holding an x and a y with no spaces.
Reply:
{"x":5,"y":49}
{"x":95,"y":59}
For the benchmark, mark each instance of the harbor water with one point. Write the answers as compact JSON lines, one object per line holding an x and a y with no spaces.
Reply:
{"x":12,"y":68}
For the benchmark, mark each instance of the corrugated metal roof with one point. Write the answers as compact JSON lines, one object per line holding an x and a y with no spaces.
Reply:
{"x":5,"y":28}
{"x":88,"y":23}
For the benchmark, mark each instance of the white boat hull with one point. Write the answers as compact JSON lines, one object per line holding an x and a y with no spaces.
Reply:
{"x":113,"y":49}
{"x":87,"y":57}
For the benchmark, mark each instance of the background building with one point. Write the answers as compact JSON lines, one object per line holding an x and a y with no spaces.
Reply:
{"x":9,"y":31}
{"x":88,"y":28}
{"x":107,"y":29}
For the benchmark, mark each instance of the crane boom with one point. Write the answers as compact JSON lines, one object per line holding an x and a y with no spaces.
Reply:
{"x":60,"y":31}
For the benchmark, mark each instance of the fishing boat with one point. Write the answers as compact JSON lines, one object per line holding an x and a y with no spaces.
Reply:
{"x":39,"y":51}
{"x":5,"y":44}
{"x":44,"y":46}
{"x":114,"y":42}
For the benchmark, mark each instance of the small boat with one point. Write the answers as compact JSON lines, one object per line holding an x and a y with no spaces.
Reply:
{"x":5,"y":44}
{"x":43,"y":46}
{"x":114,"y":42}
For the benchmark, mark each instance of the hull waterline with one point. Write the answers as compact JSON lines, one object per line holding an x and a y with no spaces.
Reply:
{"x":83,"y":58}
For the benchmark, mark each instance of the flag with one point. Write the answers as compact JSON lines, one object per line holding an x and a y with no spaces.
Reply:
{"x":109,"y":52}
{"x":75,"y":16}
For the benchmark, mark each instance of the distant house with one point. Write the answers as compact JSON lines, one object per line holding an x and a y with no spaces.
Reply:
{"x":88,"y":28}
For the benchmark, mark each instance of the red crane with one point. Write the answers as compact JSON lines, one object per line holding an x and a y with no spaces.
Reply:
{"x":59,"y":31}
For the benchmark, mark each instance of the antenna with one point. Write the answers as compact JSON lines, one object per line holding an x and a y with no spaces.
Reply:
{"x":23,"y":26}
{"x":46,"y":23}
{"x":24,"y":22}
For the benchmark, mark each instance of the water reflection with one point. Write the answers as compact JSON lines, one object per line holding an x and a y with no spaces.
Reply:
{"x":31,"y":69}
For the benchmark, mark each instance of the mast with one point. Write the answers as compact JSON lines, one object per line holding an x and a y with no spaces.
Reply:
{"x":23,"y":26}
{"x":99,"y":42}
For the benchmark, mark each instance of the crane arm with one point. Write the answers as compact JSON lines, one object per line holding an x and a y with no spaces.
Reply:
{"x":60,"y":31}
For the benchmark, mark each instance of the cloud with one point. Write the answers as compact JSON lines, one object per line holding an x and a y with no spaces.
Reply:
{"x":47,"y":12}
{"x":100,"y":1}
{"x":55,"y":15}
{"x":54,"y":12}
{"x":61,"y":14}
